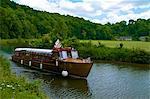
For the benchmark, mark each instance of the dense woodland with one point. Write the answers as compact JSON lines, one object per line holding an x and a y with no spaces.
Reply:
{"x":19,"y":21}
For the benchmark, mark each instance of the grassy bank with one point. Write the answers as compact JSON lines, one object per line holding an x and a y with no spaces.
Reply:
{"x":126,"y":44}
{"x":108,"y":43}
{"x":114,"y":54}
{"x":13,"y":87}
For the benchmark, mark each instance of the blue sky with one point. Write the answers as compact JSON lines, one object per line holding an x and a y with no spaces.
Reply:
{"x":98,"y":11}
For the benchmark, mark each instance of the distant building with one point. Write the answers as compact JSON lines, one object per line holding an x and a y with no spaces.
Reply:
{"x":144,"y":38}
{"x":124,"y":38}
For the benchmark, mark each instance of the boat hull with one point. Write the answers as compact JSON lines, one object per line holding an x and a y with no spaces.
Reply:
{"x":80,"y":70}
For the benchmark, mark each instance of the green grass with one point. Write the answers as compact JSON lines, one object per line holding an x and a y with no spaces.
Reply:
{"x":13,"y":87}
{"x":126,"y":44}
{"x":108,"y":43}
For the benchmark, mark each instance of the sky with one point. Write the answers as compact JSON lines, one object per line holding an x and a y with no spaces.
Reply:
{"x":97,"y":11}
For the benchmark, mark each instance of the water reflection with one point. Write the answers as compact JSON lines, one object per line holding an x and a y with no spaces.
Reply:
{"x":59,"y":87}
{"x":56,"y":86}
{"x":122,"y":65}
{"x":139,"y":67}
{"x":109,"y":80}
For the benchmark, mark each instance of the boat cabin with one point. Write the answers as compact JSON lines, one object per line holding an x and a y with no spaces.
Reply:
{"x":47,"y":54}
{"x":65,"y":53}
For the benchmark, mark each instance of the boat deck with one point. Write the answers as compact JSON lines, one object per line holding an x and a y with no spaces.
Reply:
{"x":75,"y":60}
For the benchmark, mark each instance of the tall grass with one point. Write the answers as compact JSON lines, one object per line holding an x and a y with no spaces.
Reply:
{"x":13,"y":87}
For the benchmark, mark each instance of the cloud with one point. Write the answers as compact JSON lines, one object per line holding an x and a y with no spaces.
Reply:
{"x":113,"y":18}
{"x":98,"y":11}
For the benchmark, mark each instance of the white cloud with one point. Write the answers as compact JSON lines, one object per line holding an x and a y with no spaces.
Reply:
{"x":114,"y":18}
{"x":99,"y":11}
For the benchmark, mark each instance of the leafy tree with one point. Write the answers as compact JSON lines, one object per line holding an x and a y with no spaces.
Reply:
{"x":21,"y":21}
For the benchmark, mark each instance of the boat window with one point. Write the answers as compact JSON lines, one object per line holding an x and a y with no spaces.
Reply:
{"x":63,"y":54}
{"x":74,"y":54}
{"x":49,"y":55}
{"x":69,"y":54}
{"x":54,"y":56}
{"x":60,"y":54}
{"x":27,"y":54}
{"x":16,"y":53}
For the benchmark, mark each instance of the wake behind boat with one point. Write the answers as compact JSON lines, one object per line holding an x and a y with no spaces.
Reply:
{"x":60,"y":60}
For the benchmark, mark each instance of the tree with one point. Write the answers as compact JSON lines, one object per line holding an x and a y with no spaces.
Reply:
{"x":25,"y":22}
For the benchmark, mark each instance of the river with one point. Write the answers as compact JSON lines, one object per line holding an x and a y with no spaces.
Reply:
{"x":105,"y":81}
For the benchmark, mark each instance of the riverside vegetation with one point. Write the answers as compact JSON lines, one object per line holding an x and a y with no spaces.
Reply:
{"x":86,"y":49}
{"x":100,"y":52}
{"x":13,"y":87}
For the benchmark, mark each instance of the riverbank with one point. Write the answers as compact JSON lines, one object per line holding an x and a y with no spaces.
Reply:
{"x":126,"y":44}
{"x":108,"y":43}
{"x":114,"y":54}
{"x":122,"y":63}
{"x":97,"y":51}
{"x":13,"y":87}
{"x":120,"y":54}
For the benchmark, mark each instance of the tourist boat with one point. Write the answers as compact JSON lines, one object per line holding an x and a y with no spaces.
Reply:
{"x":59,"y":60}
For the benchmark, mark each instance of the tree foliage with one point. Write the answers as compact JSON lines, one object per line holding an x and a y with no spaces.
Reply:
{"x":18,"y":21}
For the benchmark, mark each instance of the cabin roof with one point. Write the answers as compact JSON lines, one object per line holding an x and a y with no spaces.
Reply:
{"x":34,"y":50}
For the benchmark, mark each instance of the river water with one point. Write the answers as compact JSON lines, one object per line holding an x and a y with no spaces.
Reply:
{"x":105,"y":81}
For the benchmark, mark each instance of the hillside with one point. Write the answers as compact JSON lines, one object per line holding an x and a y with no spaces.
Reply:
{"x":19,"y":21}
